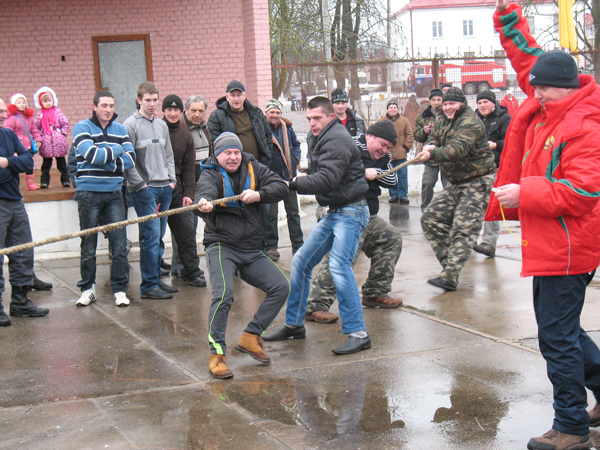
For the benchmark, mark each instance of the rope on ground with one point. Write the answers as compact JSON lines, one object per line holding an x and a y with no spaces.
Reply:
{"x":112,"y":226}
{"x":395,"y":169}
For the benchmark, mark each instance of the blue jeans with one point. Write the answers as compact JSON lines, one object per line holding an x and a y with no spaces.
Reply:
{"x":108,"y":205}
{"x":572,"y":358}
{"x":401,"y":188}
{"x":338,"y":232}
{"x":147,"y":201}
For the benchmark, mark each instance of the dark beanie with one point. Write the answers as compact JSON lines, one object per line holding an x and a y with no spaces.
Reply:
{"x":454,"y":94}
{"x":434,"y":92}
{"x":487,"y":95}
{"x":392,"y":102}
{"x":339,"y":95}
{"x":172,"y":101}
{"x":554,"y":69}
{"x":384,"y":129}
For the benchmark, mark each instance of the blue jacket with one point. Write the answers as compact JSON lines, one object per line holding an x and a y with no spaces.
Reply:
{"x":9,"y":176}
{"x":102,"y":155}
{"x":277,"y":165}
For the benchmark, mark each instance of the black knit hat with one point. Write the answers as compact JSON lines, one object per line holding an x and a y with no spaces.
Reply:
{"x":554,"y":69}
{"x":385,"y":130}
{"x":454,"y":94}
{"x":392,"y":102}
{"x":339,"y":95}
{"x":487,"y":95}
{"x":434,"y":92}
{"x":172,"y":101}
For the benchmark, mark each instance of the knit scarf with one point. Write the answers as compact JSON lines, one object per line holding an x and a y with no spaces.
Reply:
{"x":394,"y":118}
{"x":48,"y":119}
{"x":285,"y":151}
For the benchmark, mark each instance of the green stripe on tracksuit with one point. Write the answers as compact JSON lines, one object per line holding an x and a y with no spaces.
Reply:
{"x":256,"y":269}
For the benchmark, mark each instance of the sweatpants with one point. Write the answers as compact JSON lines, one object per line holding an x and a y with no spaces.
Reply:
{"x":256,"y":269}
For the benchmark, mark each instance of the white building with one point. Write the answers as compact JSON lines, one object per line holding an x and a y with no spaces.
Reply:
{"x":458,"y":29}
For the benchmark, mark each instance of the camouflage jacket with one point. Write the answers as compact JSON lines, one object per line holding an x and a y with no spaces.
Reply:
{"x":461,"y":146}
{"x":427,"y":116}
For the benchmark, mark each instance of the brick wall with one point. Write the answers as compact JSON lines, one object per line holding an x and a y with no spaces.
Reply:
{"x":198,"y":46}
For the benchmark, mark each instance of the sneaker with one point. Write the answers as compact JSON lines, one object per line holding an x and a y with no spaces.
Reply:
{"x":88,"y":296}
{"x":554,"y":440}
{"x":44,"y":185}
{"x":485,"y":249}
{"x":121,"y":299}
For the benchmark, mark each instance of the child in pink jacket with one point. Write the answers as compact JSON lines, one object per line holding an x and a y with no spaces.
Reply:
{"x":54,"y":127}
{"x":20,"y":120}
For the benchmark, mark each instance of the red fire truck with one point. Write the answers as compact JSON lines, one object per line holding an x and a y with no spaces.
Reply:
{"x":472,"y":77}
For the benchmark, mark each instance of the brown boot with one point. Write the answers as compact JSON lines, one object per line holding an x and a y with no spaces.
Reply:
{"x":554,"y":440}
{"x":253,"y":345}
{"x":323,"y":316}
{"x":595,"y":415}
{"x":383,"y":302}
{"x":218,"y":368}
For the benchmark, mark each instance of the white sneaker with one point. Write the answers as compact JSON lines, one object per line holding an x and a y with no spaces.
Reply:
{"x":121,"y":299}
{"x":88,"y":296}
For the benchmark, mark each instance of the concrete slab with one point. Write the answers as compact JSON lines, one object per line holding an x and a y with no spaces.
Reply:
{"x":456,"y":370}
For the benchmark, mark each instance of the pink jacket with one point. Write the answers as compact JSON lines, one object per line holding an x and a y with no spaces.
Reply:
{"x":16,"y":125}
{"x":54,"y":145}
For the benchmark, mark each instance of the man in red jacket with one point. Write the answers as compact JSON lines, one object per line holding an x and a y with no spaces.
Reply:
{"x":548,"y":179}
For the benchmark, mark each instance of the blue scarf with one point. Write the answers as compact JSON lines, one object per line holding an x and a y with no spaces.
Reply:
{"x":227,"y":186}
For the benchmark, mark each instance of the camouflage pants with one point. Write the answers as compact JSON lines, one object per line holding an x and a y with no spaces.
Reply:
{"x":452,"y":222}
{"x":382,"y":243}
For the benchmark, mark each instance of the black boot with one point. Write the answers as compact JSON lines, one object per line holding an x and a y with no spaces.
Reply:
{"x":21,"y":306}
{"x":4,"y":319}
{"x":40,"y":285}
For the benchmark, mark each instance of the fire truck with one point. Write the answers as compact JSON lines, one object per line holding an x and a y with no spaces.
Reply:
{"x":472,"y":77}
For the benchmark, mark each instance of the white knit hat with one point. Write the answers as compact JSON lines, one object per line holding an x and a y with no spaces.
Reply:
{"x":17,"y":96}
{"x":44,"y":90}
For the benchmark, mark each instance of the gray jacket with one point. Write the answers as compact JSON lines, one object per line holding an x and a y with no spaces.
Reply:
{"x":154,"y":165}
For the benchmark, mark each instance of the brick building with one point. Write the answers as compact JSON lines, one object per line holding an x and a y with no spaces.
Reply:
{"x":185,"y":46}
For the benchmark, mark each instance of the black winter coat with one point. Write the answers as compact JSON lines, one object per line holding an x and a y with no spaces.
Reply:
{"x":496,"y":125}
{"x":337,"y":174}
{"x":221,"y":120}
{"x":237,"y":227}
{"x":355,"y":123}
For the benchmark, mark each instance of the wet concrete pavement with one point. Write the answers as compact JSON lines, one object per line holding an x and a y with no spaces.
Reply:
{"x":457,"y":370}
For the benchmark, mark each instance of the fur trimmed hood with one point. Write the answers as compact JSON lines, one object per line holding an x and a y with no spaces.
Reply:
{"x":44,"y":90}
{"x":13,"y":111}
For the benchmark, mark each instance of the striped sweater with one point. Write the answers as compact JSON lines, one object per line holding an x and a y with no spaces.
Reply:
{"x":102,"y":155}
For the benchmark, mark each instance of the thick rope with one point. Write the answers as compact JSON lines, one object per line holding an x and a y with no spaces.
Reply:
{"x":170,"y":212}
{"x":112,"y":226}
{"x":395,"y":169}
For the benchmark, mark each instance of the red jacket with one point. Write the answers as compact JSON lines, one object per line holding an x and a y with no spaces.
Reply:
{"x":554,"y":154}
{"x":510,"y":105}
